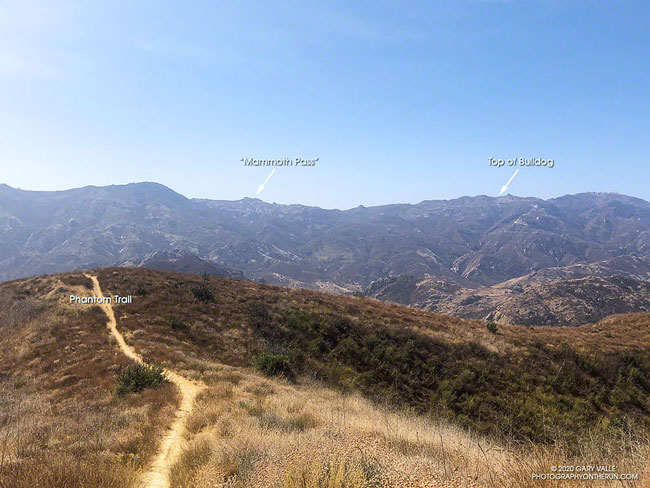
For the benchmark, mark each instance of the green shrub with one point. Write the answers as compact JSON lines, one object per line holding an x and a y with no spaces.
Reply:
{"x":78,"y":280}
{"x":203,"y":292}
{"x":141,"y":289}
{"x":492,"y":327}
{"x":271,"y":364}
{"x":176,"y":322}
{"x":258,"y":314}
{"x":138,"y":376}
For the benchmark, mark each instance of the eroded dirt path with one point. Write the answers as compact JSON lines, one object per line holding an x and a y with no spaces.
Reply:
{"x":157,"y":475}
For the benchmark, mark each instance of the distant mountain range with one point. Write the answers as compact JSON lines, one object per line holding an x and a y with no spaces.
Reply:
{"x":507,"y":259}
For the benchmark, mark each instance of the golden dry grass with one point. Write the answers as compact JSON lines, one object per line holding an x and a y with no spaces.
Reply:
{"x":61,"y":424}
{"x":547,"y":384}
{"x":267,"y":433}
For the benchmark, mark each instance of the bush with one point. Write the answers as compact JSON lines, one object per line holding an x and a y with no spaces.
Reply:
{"x":141,"y":289}
{"x":176,"y":322}
{"x":203,"y":292}
{"x":271,"y":364}
{"x":258,"y":314}
{"x":492,"y":327}
{"x":138,"y":376}
{"x":78,"y":280}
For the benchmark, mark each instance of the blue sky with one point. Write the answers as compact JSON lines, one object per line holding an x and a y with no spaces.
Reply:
{"x":401,"y":101}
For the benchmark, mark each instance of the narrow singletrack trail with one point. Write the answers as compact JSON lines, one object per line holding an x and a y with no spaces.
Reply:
{"x":157,"y":475}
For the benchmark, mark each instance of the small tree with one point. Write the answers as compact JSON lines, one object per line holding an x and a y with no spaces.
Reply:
{"x":492,"y":327}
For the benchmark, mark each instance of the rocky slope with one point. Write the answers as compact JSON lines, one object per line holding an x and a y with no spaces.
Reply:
{"x":569,"y":295}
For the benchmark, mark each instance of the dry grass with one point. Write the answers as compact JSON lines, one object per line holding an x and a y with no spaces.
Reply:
{"x":329,"y":472}
{"x":61,"y":425}
{"x":219,"y":329}
{"x":531,"y":383}
{"x":264,"y":433}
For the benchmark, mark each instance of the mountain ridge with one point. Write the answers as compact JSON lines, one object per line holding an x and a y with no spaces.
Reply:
{"x":154,"y":184}
{"x":468,"y":242}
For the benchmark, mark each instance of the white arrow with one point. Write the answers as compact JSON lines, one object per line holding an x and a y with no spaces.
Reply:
{"x":505,"y":187}
{"x":261,"y":187}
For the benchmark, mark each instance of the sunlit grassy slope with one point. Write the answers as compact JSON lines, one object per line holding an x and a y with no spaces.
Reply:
{"x":61,"y":423}
{"x":540,"y":384}
{"x":371,"y":394}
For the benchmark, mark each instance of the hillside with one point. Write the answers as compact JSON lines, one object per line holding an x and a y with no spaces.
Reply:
{"x":61,"y":424}
{"x":400,"y":355}
{"x":182,"y":262}
{"x":345,"y":361}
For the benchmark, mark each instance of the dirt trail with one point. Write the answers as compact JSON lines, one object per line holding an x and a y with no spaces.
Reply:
{"x":157,"y":476}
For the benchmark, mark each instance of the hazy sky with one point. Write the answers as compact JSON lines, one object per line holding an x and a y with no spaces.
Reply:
{"x":402,"y":101}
